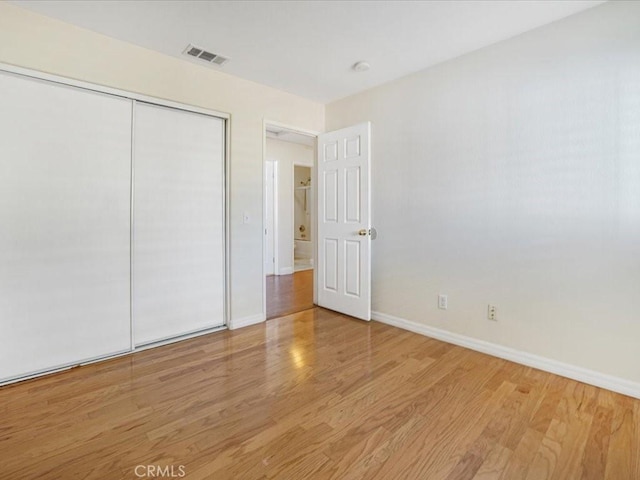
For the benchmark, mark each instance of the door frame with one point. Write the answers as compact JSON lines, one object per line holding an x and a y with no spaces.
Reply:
{"x":274,"y":206}
{"x":302,"y":131}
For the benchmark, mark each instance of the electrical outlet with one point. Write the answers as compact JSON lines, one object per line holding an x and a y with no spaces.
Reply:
{"x":442,"y":302}
{"x":491,"y":313}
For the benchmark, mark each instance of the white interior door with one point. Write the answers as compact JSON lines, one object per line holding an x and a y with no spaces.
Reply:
{"x":65,"y":183}
{"x":178,"y":240}
{"x":344,"y":221}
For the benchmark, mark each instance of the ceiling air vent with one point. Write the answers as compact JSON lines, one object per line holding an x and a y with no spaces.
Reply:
{"x":202,"y":54}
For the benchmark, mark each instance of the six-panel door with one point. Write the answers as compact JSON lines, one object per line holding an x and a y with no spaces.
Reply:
{"x":344,"y":241}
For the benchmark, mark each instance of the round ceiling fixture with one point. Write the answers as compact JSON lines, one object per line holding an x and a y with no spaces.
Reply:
{"x":361,"y":66}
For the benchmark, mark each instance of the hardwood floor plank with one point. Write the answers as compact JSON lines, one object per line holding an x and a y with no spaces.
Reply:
{"x":523,"y":456}
{"x":544,"y":462}
{"x":354,"y":461}
{"x":620,"y":458}
{"x":594,"y":459}
{"x":495,"y":464}
{"x":635,"y":447}
{"x":546,"y":408}
{"x":434,"y":451}
{"x":288,"y":294}
{"x":316,"y":395}
{"x":466,"y":468}
{"x":371,"y":463}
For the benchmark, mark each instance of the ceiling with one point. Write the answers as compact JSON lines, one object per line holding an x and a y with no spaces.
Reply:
{"x":308,"y":47}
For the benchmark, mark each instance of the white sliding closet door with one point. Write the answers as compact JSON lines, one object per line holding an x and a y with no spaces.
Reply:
{"x":65,"y":160}
{"x":178,"y":254}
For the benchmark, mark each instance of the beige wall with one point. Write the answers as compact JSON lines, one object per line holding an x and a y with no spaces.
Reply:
{"x":36,"y":42}
{"x":511,"y":176}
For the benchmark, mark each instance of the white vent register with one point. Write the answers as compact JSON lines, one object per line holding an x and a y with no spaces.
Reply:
{"x":204,"y":55}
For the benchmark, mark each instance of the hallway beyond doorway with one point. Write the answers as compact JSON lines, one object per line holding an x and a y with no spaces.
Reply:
{"x":288,"y":294}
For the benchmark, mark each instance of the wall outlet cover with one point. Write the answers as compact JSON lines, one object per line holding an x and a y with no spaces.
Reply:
{"x":442,"y":302}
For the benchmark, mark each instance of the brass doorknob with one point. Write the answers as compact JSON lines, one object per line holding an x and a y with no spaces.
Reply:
{"x":362,"y":232}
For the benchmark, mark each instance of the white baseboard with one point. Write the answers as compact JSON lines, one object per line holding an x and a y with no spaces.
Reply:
{"x":285,"y":271}
{"x":237,"y":323}
{"x":609,"y":382}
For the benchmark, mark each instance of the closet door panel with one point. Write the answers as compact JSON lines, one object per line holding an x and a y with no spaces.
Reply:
{"x":65,"y":166}
{"x":178,"y":255}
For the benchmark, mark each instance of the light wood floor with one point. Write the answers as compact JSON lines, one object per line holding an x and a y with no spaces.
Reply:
{"x":288,"y":294}
{"x":316,"y":395}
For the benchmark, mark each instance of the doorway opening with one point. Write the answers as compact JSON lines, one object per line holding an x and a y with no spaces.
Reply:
{"x":302,"y":229}
{"x":290,"y":231}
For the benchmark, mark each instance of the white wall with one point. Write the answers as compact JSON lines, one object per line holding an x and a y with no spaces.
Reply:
{"x":511,"y":176}
{"x":286,"y":154}
{"x":37,"y":42}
